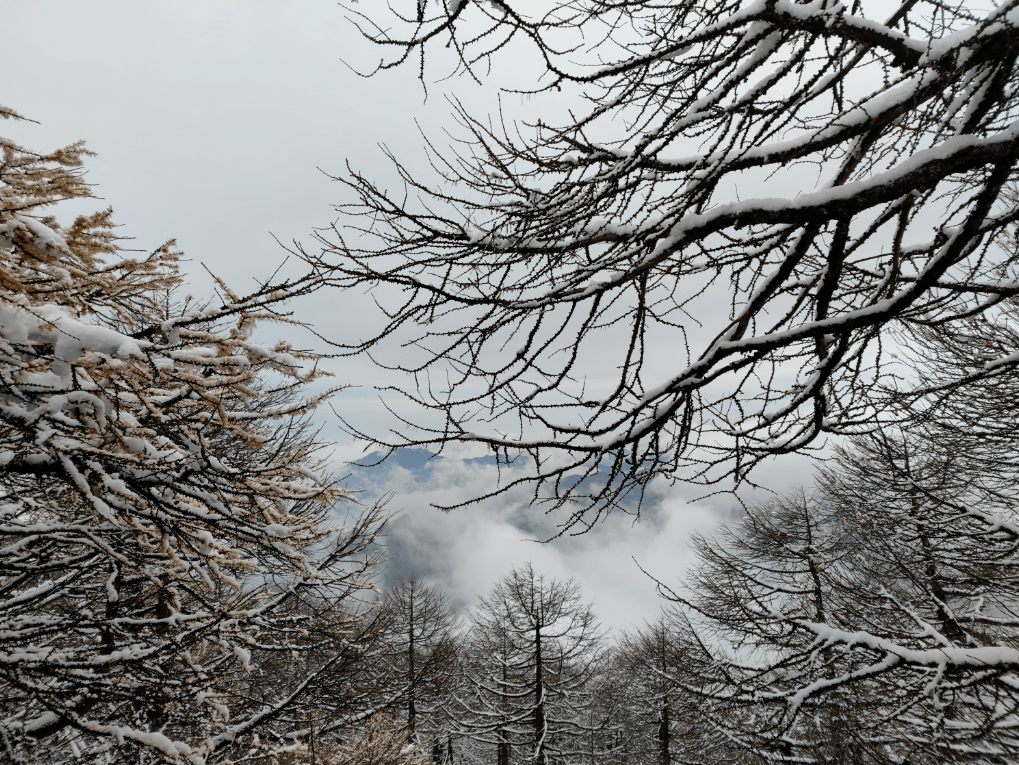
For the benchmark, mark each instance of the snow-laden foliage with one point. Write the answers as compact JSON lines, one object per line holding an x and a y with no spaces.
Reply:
{"x":660,"y":720}
{"x":164,"y":509}
{"x":418,"y":649}
{"x":531,"y":654}
{"x":875,"y":618}
{"x":699,"y":265}
{"x":382,"y":742}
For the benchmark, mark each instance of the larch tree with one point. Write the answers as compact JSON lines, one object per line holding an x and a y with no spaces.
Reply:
{"x":532,"y":653}
{"x":871,"y":622}
{"x":165,"y":507}
{"x":757,"y":585}
{"x":420,"y":653}
{"x":938,"y":621}
{"x":658,"y":667}
{"x":614,"y":726}
{"x":703,"y":264}
{"x":651,"y":658}
{"x":383,"y":741}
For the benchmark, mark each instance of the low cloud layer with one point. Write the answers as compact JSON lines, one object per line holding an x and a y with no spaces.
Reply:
{"x":467,"y":550}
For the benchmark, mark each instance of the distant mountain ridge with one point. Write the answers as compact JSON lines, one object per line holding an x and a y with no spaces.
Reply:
{"x":374,"y":468}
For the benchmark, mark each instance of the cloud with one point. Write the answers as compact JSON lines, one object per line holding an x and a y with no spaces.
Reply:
{"x":466,"y":551}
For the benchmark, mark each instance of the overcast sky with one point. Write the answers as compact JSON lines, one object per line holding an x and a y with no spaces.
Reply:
{"x":213,"y":121}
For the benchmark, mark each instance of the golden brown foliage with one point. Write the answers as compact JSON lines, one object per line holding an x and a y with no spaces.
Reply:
{"x":165,"y":505}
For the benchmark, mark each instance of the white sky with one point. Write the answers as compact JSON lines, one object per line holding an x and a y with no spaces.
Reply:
{"x":211,"y":119}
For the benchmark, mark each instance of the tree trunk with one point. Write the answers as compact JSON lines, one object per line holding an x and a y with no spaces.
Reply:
{"x":663,"y":735}
{"x":539,"y":700}
{"x":411,"y":681}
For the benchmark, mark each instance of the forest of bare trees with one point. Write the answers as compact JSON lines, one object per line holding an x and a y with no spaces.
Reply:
{"x":766,"y":227}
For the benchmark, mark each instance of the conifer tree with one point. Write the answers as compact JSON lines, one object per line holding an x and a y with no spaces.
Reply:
{"x":870,"y":622}
{"x":532,"y":653}
{"x":658,"y":667}
{"x":166,"y":510}
{"x":419,"y":653}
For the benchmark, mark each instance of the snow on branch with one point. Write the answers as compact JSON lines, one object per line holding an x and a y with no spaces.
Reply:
{"x":166,"y":509}
{"x":705,"y":268}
